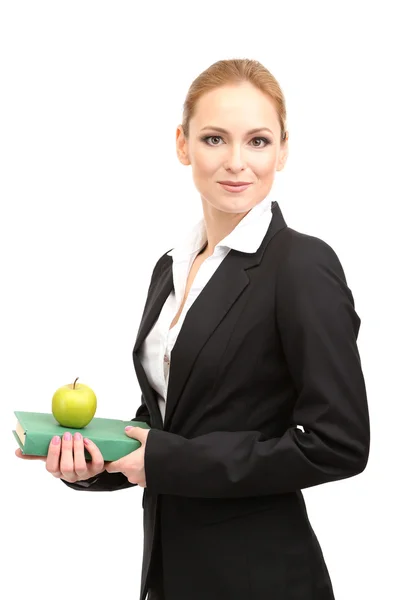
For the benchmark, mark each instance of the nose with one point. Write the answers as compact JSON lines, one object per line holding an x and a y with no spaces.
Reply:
{"x":235,"y":160}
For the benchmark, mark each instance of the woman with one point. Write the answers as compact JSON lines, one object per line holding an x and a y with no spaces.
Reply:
{"x":251,"y":328}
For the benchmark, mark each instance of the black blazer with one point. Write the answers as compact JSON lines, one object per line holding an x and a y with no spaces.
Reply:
{"x":266,"y":397}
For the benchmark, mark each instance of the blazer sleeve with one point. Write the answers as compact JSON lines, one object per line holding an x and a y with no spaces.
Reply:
{"x":318,"y":328}
{"x":110,"y":482}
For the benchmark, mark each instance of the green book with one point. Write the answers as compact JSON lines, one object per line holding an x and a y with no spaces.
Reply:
{"x":34,"y":431}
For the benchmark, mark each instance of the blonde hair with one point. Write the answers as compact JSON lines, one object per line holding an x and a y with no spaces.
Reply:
{"x":235,"y":71}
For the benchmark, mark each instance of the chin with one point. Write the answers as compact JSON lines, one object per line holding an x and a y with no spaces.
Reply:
{"x":234,"y":205}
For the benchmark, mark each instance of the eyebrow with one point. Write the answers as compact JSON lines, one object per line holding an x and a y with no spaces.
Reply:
{"x":256,"y":130}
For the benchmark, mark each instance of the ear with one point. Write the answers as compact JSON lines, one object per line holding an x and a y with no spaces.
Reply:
{"x":283,"y":153}
{"x":182,"y":146}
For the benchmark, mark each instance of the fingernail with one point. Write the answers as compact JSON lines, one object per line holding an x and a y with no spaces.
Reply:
{"x":56,"y":440}
{"x":128,"y":427}
{"x":77,"y":435}
{"x":86,"y":440}
{"x":67,"y":436}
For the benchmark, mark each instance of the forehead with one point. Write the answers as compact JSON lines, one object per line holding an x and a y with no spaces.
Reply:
{"x":233,"y":105}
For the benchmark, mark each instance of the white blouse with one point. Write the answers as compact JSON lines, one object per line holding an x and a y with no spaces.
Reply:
{"x":155,"y":352}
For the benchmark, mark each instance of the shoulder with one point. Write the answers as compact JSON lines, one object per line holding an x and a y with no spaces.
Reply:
{"x":302,"y":253}
{"x":308,"y":267}
{"x":310,"y":284}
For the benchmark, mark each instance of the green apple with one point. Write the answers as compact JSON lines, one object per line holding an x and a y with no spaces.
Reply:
{"x":74,"y":405}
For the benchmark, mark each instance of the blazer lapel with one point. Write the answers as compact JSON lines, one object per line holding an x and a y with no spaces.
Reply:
{"x":156,"y":299}
{"x":208,"y":310}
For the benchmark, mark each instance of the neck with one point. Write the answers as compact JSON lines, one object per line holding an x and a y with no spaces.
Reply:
{"x":218,"y":225}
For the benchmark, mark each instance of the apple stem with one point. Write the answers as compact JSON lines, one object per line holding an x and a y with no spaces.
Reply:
{"x":73,"y":387}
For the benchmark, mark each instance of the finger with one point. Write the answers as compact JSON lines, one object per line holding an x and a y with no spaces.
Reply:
{"x":109,"y":466}
{"x":80,"y":465}
{"x":93,"y":467}
{"x":137,"y":433}
{"x":113,"y":466}
{"x":53,"y":456}
{"x":67,"y":459}
{"x":20,"y":454}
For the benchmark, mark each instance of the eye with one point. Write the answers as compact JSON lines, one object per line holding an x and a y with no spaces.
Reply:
{"x":211,"y":137}
{"x":265,"y":140}
{"x":218,"y":137}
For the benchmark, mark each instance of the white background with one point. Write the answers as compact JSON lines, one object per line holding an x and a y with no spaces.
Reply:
{"x":92,"y":194}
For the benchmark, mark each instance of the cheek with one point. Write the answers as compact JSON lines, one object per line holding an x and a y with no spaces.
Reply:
{"x":204,"y":163}
{"x":264,"y":166}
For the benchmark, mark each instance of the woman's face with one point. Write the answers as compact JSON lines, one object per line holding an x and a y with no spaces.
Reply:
{"x":235,"y":154}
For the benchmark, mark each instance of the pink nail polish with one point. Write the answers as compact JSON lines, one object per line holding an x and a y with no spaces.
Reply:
{"x":67,"y":436}
{"x":56,"y":440}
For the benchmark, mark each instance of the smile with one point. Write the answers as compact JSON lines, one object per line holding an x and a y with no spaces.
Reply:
{"x":235,"y":188}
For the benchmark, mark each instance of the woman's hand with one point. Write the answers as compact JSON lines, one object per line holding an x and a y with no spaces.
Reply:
{"x":132,"y":465}
{"x":63,"y":464}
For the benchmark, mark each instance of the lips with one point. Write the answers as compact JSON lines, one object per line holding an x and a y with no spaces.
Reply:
{"x":235,"y":188}
{"x":235,"y":182}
